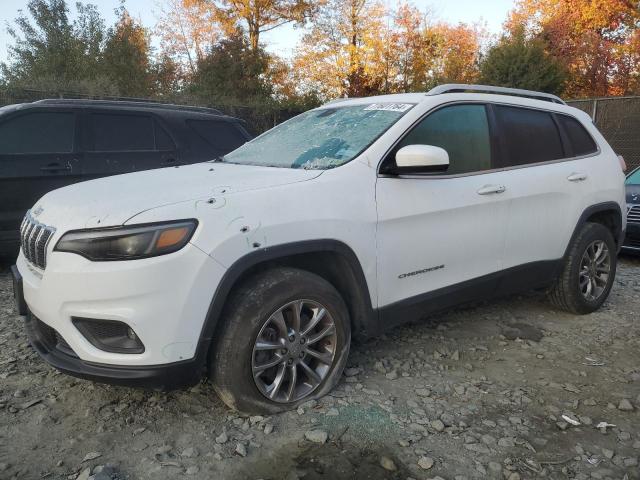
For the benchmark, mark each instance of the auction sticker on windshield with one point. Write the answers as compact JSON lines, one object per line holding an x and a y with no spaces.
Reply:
{"x":390,"y":107}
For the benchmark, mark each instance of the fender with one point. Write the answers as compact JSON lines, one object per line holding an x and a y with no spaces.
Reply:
{"x":589,"y":211}
{"x":366,"y":319}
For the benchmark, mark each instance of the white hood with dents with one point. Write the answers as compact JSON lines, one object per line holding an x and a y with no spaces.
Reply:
{"x":111,"y":201}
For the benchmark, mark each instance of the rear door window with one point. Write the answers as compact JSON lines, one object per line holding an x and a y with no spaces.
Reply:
{"x":111,"y":132}
{"x":461,"y":130}
{"x":38,"y":132}
{"x":528,"y":136}
{"x":581,"y":142}
{"x":220,"y":135}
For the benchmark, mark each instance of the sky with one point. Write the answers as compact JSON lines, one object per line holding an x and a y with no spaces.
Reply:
{"x":282,"y":40}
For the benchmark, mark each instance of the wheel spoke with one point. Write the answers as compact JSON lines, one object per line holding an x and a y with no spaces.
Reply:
{"x":318,"y":315}
{"x":589,"y":288}
{"x":311,"y":373}
{"x":328,"y":330}
{"x":277,"y":382}
{"x":278,"y":319}
{"x":265,"y":345}
{"x":324,"y":357}
{"x":296,"y":309}
{"x":599,"y":279}
{"x":601,"y":253}
{"x":293,"y":380}
{"x":258,"y":369}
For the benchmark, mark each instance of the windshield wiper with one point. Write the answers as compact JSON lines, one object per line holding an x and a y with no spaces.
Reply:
{"x":219,"y":159}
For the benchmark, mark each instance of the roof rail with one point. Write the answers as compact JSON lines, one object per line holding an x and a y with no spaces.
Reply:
{"x":517,"y":92}
{"x":128,"y":103}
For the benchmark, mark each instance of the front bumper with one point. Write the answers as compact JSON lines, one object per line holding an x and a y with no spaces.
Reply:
{"x":54,"y":350}
{"x":632,"y":239}
{"x":163,"y":299}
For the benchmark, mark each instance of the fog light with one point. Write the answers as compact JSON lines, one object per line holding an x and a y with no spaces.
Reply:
{"x":131,"y":334}
{"x":109,"y":335}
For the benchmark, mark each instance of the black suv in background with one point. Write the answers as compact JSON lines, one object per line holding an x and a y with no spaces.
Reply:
{"x":48,"y":144}
{"x":632,"y":241}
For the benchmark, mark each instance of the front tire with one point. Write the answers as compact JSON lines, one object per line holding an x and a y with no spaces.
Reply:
{"x":588,"y":273}
{"x":285,"y":341}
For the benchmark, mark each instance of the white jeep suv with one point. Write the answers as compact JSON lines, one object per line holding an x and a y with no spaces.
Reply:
{"x":258,"y":268}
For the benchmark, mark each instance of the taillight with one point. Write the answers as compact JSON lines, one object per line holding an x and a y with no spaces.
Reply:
{"x":623,"y":164}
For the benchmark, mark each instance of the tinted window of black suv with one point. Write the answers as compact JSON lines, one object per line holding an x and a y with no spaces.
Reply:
{"x":52,"y":143}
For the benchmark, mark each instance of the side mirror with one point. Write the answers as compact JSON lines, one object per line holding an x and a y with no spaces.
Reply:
{"x":421,"y":159}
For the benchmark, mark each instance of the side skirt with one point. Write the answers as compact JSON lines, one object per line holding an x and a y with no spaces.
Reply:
{"x":507,"y":282}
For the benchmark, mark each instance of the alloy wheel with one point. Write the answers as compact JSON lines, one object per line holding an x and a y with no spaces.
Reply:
{"x":294,"y":351}
{"x":595,"y":268}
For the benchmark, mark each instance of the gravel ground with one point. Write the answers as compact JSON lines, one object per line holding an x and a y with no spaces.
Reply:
{"x":509,"y":389}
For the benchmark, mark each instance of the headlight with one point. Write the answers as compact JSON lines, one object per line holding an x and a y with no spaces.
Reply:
{"x":128,"y":243}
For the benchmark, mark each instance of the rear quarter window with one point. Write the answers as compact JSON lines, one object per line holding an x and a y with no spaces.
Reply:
{"x":220,"y":135}
{"x":579,"y":138}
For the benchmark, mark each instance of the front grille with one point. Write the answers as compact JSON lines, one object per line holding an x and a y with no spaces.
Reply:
{"x":633,"y":216}
{"x":34,"y":238}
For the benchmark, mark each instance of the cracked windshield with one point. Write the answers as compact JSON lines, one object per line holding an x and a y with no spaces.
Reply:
{"x":320,"y":139}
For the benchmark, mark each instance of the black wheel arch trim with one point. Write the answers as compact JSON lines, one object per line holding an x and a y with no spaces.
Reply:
{"x":368,"y":318}
{"x":594,"y":209}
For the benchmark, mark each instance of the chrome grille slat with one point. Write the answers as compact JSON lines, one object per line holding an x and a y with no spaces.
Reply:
{"x":633,"y":215}
{"x":34,"y":239}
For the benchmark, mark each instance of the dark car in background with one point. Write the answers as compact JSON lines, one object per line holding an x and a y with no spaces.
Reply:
{"x":632,"y":240}
{"x":48,"y":144}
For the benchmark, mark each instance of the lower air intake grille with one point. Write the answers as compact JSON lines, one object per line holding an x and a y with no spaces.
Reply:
{"x":53,"y":338}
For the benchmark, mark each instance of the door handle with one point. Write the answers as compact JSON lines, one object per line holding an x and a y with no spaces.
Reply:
{"x":577,"y":177}
{"x":56,"y":167}
{"x":491,"y":189}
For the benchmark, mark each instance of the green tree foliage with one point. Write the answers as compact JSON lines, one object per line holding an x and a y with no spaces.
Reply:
{"x":520,"y":62}
{"x":50,"y":52}
{"x":53,"y":54}
{"x":126,"y":57}
{"x":232,"y":70}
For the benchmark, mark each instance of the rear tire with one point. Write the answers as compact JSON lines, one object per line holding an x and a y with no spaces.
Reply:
{"x":291,"y":319}
{"x":588,"y":272}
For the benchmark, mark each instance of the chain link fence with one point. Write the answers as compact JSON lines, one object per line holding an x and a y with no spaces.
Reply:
{"x":618,"y":118}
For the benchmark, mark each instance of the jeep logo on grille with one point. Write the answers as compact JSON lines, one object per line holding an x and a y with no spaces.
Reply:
{"x":37,"y":211}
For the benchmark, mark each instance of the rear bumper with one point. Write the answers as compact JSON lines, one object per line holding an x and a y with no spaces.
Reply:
{"x":54,"y":350}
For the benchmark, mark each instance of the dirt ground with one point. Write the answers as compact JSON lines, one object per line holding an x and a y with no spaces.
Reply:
{"x":509,"y":389}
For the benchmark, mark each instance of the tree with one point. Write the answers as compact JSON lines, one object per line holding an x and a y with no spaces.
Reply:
{"x":520,"y":62}
{"x":259,"y":16}
{"x":345,"y":53}
{"x":414,"y":49}
{"x":49,"y":52}
{"x":456,"y":53}
{"x":232,"y":72}
{"x":125,"y":59}
{"x":187,"y":30}
{"x":593,"y":38}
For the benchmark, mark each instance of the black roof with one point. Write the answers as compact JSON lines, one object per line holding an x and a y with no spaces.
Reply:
{"x":134,"y":104}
